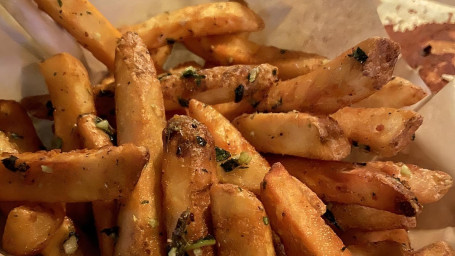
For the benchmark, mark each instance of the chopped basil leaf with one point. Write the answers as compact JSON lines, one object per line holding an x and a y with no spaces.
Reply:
{"x":230,"y":165}
{"x":359,"y":55}
{"x":221,"y":154}
{"x":238,"y":92}
{"x":191,"y":72}
{"x":10,"y":164}
{"x":163,"y":75}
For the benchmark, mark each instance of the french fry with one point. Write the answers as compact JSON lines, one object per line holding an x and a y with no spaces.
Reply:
{"x":311,"y":197}
{"x":351,"y":77}
{"x":94,"y":132}
{"x":237,"y":49}
{"x":71,"y":95}
{"x":231,"y":110}
{"x":352,"y":216}
{"x":353,"y":237}
{"x":189,"y":170}
{"x":6,"y":145}
{"x":179,"y":68}
{"x":18,"y":126}
{"x":440,"y":248}
{"x":196,"y":21}
{"x":39,"y":106}
{"x":140,"y":120}
{"x":294,"y":133}
{"x":397,"y":93}
{"x":342,"y":183}
{"x":230,"y":141}
{"x":240,"y":222}
{"x":218,"y":85}
{"x":385,"y":131}
{"x":300,"y":227}
{"x":428,"y":186}
{"x":28,"y":228}
{"x":77,"y":176}
{"x":64,"y":241}
{"x":87,"y":25}
{"x":382,"y":248}
{"x":159,"y":56}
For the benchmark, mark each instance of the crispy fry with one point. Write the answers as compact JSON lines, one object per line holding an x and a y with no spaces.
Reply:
{"x":62,"y":242}
{"x":140,"y":120}
{"x":93,"y":134}
{"x":28,"y":228}
{"x":179,"y":68}
{"x":71,"y":95}
{"x":77,"y":176}
{"x":196,"y":21}
{"x":218,"y":85}
{"x":249,"y":175}
{"x":440,"y":248}
{"x":346,"y":183}
{"x":189,"y":170}
{"x":388,"y":248}
{"x":231,"y":110}
{"x":300,"y":227}
{"x":294,"y":133}
{"x":385,"y":131}
{"x":240,"y":222}
{"x":352,"y":216}
{"x":16,"y":124}
{"x":237,"y":49}
{"x":351,"y":77}
{"x":311,"y":197}
{"x":397,"y":93}
{"x":428,"y":185}
{"x":399,"y":236}
{"x":39,"y":106}
{"x":87,"y":25}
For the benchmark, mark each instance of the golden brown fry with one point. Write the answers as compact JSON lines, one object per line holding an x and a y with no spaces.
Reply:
{"x":428,"y":185}
{"x":87,"y":25}
{"x":341,"y":82}
{"x":28,"y":228}
{"x":231,"y":110}
{"x":388,"y":248}
{"x":385,"y":131}
{"x":18,"y":126}
{"x":91,"y":131}
{"x":189,"y":170}
{"x":218,"y":85}
{"x":64,"y":241}
{"x":140,"y":120}
{"x":249,"y":175}
{"x":397,"y":93}
{"x":300,"y":227}
{"x":346,"y":183}
{"x":71,"y":95}
{"x":240,"y":222}
{"x":6,"y":145}
{"x":311,"y":197}
{"x":440,"y":248}
{"x":196,"y":21}
{"x":39,"y":106}
{"x":398,"y":236}
{"x":294,"y":133}
{"x":352,"y":216}
{"x":179,"y":68}
{"x":237,"y":49}
{"x":77,"y":176}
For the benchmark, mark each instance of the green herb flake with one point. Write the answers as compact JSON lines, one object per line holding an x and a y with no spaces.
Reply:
{"x":208,"y":240}
{"x":10,"y":164}
{"x":106,"y":127}
{"x":252,"y":75}
{"x":265,"y":220}
{"x":405,"y":171}
{"x":89,"y":12}
{"x":201,"y":141}
{"x":244,"y":158}
{"x":238,"y":93}
{"x":145,"y":201}
{"x":60,"y":3}
{"x":191,"y":72}
{"x":221,"y":154}
{"x":359,"y":55}
{"x":230,"y":165}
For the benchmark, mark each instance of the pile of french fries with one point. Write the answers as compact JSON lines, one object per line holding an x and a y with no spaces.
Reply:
{"x":241,"y":156}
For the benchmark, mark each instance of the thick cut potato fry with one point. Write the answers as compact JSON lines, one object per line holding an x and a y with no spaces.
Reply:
{"x":6,"y":145}
{"x":218,"y":85}
{"x":311,"y":197}
{"x":28,"y":228}
{"x":87,"y":25}
{"x":159,"y":56}
{"x":399,"y":236}
{"x":77,"y":176}
{"x":294,"y":133}
{"x":388,"y":248}
{"x":302,"y":230}
{"x":351,"y":77}
{"x":352,"y":216}
{"x":39,"y":106}
{"x":237,"y":49}
{"x":140,"y":120}
{"x":349,"y":184}
{"x":64,"y":241}
{"x":227,"y":137}
{"x":428,"y":185}
{"x":441,"y":248}
{"x":93,"y":137}
{"x":397,"y":93}
{"x":196,"y":21}
{"x":240,"y":222}
{"x":71,"y":95}
{"x":385,"y":131}
{"x":18,"y":126}
{"x":231,"y":110}
{"x":189,"y":170}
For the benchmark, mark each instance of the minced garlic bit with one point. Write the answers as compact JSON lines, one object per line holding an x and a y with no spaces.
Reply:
{"x":46,"y":169}
{"x":70,"y":245}
{"x":405,"y":171}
